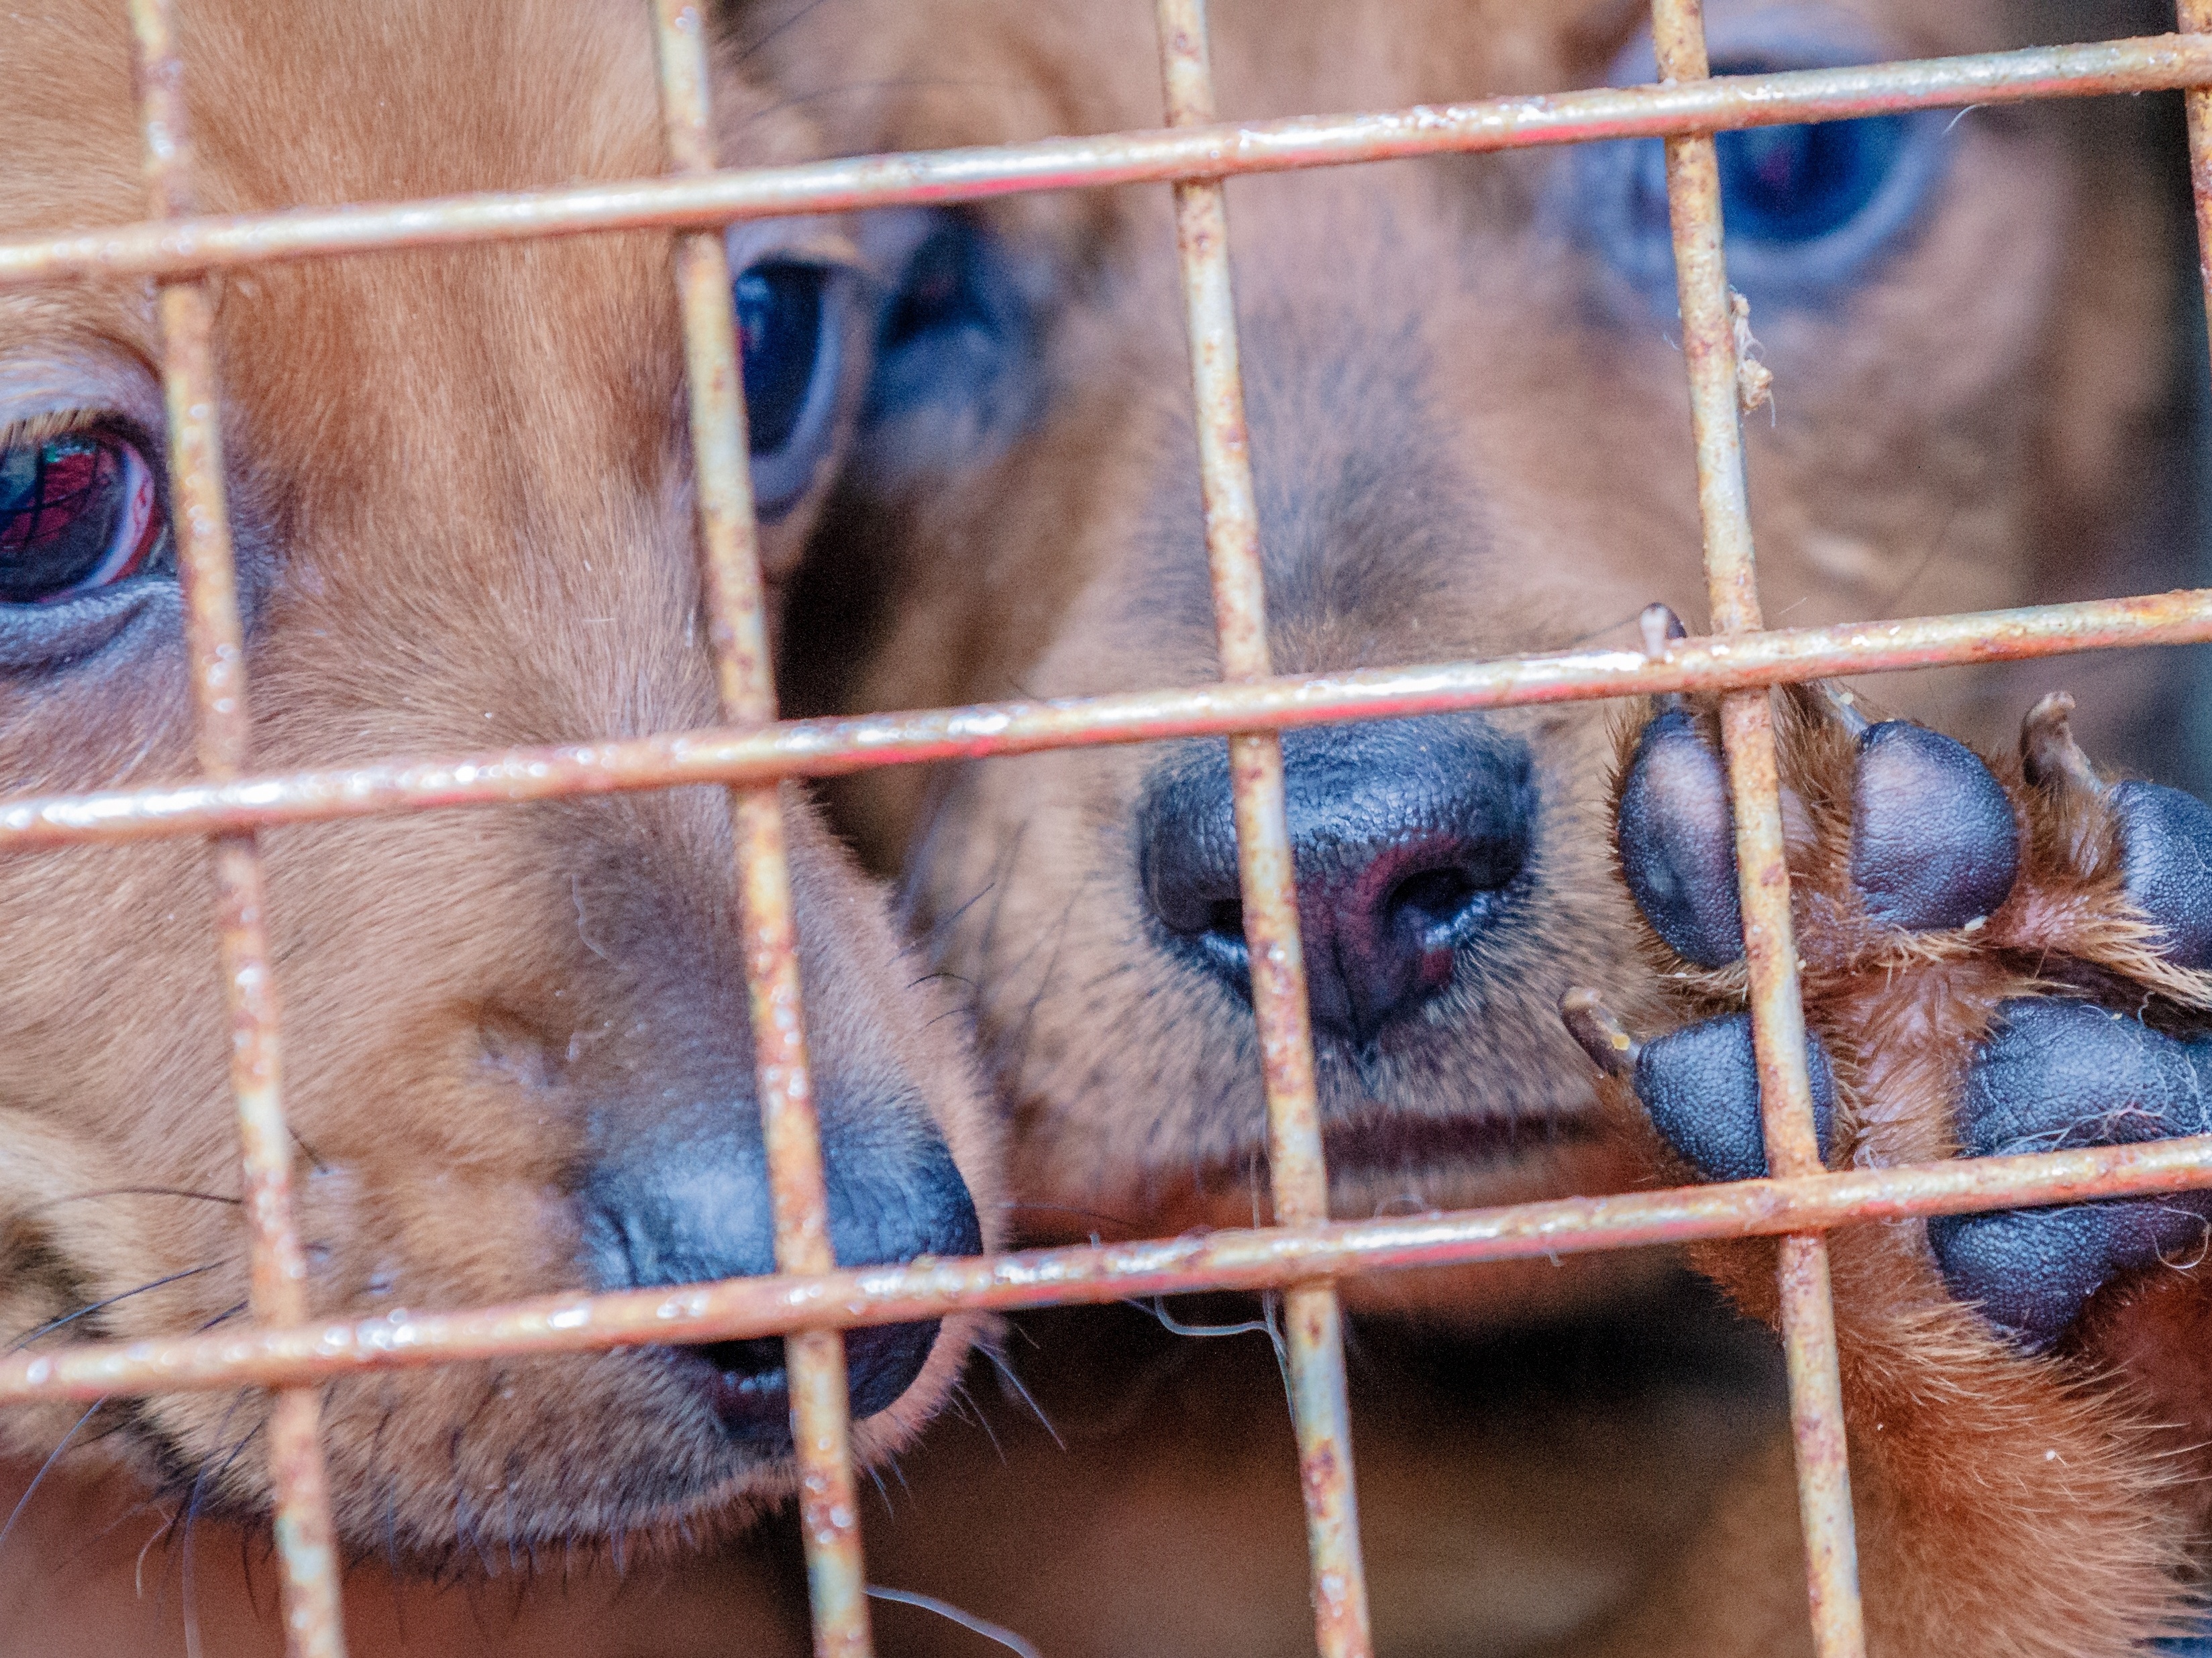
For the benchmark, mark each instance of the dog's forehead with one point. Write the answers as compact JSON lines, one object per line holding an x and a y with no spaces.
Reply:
{"x":388,"y":99}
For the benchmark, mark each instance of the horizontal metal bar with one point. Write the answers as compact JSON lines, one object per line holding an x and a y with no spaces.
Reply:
{"x":829,"y":748}
{"x":189,"y":247}
{"x":1255,"y":1259}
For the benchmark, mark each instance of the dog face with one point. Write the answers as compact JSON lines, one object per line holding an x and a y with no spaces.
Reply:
{"x":516,"y":1048}
{"x":1470,"y":434}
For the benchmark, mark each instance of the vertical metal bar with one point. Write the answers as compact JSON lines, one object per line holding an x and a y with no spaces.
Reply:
{"x":215,"y":643}
{"x":1297,"y":1176}
{"x":2195,"y":17}
{"x":1808,"y":1323}
{"x":821,"y":1418}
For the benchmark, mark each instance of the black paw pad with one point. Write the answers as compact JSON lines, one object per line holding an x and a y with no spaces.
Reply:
{"x":2059,"y":1074}
{"x":2166,"y":840}
{"x":1701,"y":1084}
{"x":1677,"y":840}
{"x":1933,"y":840}
{"x":2031,"y":1271}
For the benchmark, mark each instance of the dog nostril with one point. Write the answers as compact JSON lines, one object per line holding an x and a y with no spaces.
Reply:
{"x":1436,"y":900}
{"x":746,"y":1362}
{"x":1410,"y":838}
{"x":743,"y":1384}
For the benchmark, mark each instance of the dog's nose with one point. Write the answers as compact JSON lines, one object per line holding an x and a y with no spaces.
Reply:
{"x":1407,"y":836}
{"x":686,"y":1202}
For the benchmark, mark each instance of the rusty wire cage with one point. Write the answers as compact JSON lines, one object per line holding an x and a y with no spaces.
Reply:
{"x":808,"y":1301}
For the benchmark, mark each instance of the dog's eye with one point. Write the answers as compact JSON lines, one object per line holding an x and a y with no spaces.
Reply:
{"x":80,"y":510}
{"x":1795,"y":182}
{"x":789,"y":340}
{"x":953,"y":341}
{"x":1806,"y":209}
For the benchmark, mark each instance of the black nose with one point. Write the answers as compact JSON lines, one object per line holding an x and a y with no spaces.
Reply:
{"x":1407,"y":836}
{"x":686,"y":1202}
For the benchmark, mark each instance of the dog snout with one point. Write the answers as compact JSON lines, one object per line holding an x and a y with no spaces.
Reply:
{"x":689,"y":1203}
{"x":1408,"y":838}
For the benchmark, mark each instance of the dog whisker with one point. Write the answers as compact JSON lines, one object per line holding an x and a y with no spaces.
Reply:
{"x":1130,"y":1226}
{"x":51,"y":1325}
{"x":1156,"y":1306}
{"x":132,"y":1192}
{"x":1011,"y":1380}
{"x":882,"y":1492}
{"x":967,"y":1620}
{"x":44,"y":1468}
{"x":189,"y":1606}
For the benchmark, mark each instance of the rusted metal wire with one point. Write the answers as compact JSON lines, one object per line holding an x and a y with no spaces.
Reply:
{"x":1298,"y":1179}
{"x":2155,"y":63}
{"x":2195,"y":17}
{"x":1778,"y":1012}
{"x":809,"y":1301}
{"x":307,"y":1561}
{"x":1246,"y":1260}
{"x":829,"y":748}
{"x":814,"y":1360}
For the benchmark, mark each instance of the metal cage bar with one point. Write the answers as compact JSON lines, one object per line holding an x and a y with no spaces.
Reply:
{"x":814,"y":1359}
{"x":1235,"y":1259}
{"x":306,"y":1556}
{"x":2195,"y":18}
{"x":1297,"y":1180}
{"x":832,"y":747}
{"x":2156,"y":64}
{"x":808,"y":1301}
{"x":1778,"y":1011}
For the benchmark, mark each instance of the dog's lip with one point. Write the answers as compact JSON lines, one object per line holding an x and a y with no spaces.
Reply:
{"x":1401,"y":1142}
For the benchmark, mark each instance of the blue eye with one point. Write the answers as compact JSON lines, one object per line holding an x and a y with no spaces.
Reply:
{"x":1797,"y":183}
{"x":1807,"y":210}
{"x":788,"y":343}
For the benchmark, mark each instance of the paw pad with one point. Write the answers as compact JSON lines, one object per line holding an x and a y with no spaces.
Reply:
{"x":2056,"y":1074}
{"x":1700,"y":1084}
{"x":2166,"y":860}
{"x":1938,"y":907}
{"x":1677,"y":840}
{"x":1933,"y":840}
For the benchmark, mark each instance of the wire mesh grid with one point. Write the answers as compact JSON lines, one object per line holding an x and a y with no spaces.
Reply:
{"x":808,"y":1300}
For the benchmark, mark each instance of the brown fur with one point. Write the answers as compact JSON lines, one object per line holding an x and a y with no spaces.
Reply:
{"x":1470,"y":442}
{"x":461,"y":489}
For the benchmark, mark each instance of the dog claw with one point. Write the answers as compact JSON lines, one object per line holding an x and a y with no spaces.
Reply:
{"x":1660,"y":627}
{"x":2048,"y":753}
{"x":1601,"y":1033}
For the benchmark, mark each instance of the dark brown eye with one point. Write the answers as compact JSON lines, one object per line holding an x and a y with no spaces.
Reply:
{"x":79,"y":511}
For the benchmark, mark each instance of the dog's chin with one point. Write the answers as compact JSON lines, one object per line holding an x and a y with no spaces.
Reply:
{"x":1400,"y":1163}
{"x":664,"y":1474}
{"x":1403,"y":1165}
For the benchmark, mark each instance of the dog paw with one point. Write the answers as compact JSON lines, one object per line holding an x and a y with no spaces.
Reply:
{"x":1995,"y":957}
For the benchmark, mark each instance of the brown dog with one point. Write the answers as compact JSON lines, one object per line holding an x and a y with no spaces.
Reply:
{"x":1468,"y":431}
{"x":515,"y":1050}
